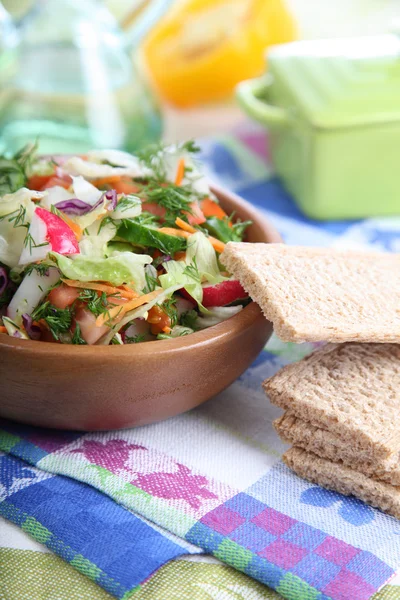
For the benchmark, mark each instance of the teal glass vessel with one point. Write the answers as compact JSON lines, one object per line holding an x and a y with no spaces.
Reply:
{"x":75,"y":85}
{"x":8,"y":44}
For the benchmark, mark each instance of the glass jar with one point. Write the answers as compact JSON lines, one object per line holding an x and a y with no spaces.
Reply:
{"x":76,"y":87}
{"x":8,"y":44}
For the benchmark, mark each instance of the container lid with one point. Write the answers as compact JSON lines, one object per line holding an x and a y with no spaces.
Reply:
{"x":342,"y":82}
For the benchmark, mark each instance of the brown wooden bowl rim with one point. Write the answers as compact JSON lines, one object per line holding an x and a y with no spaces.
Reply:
{"x":227,"y":328}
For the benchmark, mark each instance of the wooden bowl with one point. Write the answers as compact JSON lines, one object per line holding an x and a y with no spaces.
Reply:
{"x":112,"y":387}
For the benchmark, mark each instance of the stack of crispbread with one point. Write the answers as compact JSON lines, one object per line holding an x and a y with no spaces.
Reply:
{"x":342,"y":403}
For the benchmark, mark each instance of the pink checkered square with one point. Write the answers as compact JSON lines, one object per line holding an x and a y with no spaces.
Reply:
{"x":283,"y":554}
{"x":336,"y":551}
{"x":223,"y":520}
{"x":273,"y":521}
{"x":348,"y":585}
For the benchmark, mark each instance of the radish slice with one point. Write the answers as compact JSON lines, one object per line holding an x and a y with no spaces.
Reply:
{"x":47,"y":232}
{"x":223,"y":293}
{"x":220,"y":294}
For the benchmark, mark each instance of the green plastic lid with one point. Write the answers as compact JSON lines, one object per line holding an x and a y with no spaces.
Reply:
{"x":341,"y":82}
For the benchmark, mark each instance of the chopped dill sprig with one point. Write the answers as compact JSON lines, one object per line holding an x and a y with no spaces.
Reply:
{"x":189,"y":319}
{"x":55,"y":211}
{"x":59,"y":320}
{"x":175,"y":199}
{"x":190,"y":146}
{"x":97,"y":304}
{"x":151,"y":283}
{"x":192,"y":271}
{"x":77,"y":337}
{"x":127,"y":202}
{"x":41,"y":269}
{"x":18,"y":220}
{"x":134,"y":339}
{"x":153,"y":156}
{"x":14,"y":171}
{"x":146,"y":218}
{"x":16,"y":217}
{"x":169,"y":307}
{"x":104,"y":222}
{"x":30,"y":243}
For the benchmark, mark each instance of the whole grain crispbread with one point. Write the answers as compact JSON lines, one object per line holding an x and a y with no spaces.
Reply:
{"x":351,"y":390}
{"x":337,"y":477}
{"x":326,"y":444}
{"x":321,"y":294}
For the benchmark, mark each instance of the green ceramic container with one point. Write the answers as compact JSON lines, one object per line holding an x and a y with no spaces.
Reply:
{"x":332,"y":108}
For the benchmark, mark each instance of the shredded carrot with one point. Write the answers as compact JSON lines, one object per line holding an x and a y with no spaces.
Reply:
{"x":167,"y":329}
{"x":185,"y":226}
{"x":216,"y":244}
{"x":126,"y":288}
{"x":43,"y":325}
{"x":101,"y":287}
{"x":175,"y":232}
{"x":74,"y":226}
{"x":3,"y":329}
{"x":105,"y":180}
{"x":180,"y":172}
{"x":180,"y":255}
{"x":115,"y":314}
{"x":212,"y":209}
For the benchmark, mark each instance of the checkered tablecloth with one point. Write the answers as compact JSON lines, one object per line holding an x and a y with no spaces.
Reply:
{"x":141,"y":511}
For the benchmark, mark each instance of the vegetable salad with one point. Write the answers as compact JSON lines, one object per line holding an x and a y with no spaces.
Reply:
{"x":110,"y":248}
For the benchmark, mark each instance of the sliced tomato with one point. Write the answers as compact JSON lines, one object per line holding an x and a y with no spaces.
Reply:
{"x":37,"y":182}
{"x":196,"y":217}
{"x":154,"y":209}
{"x":212,"y":209}
{"x":61,"y":237}
{"x":220,"y":294}
{"x":63,"y":296}
{"x":125,"y":185}
{"x":87,"y":325}
{"x":64,"y":181}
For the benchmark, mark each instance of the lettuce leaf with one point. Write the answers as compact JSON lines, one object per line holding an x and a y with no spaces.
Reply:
{"x":128,"y":207}
{"x":127,"y":267}
{"x":19,"y":200}
{"x":200,"y":265}
{"x":200,"y":251}
{"x":180,"y":276}
{"x":137,"y":313}
{"x":94,"y":244}
{"x":16,"y":212}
